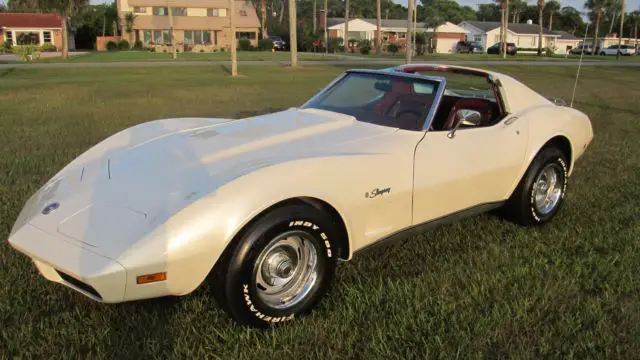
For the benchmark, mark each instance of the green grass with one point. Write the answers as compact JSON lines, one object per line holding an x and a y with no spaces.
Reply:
{"x":484,"y":56}
{"x":479,"y":288}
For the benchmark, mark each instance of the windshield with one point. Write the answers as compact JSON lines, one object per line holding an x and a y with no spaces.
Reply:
{"x":395,"y":101}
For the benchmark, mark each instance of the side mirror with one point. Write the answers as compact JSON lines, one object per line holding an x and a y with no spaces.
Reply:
{"x":465,"y":117}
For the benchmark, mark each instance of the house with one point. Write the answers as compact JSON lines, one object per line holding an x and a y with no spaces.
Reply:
{"x":565,"y":42}
{"x":197,"y":24}
{"x":32,"y":29}
{"x":525,"y":36}
{"x":393,"y":31}
{"x":610,"y":39}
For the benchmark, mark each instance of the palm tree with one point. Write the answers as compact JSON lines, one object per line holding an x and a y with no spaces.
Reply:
{"x":517,"y":7}
{"x":612,"y":8}
{"x":129,"y":22}
{"x":293,"y":47}
{"x":263,"y":18}
{"x":597,"y":7}
{"x":634,"y":17}
{"x":378,"y":26}
{"x":621,"y":27}
{"x":540,"y":21}
{"x":232,"y":30}
{"x":552,"y":7}
{"x":346,"y":27}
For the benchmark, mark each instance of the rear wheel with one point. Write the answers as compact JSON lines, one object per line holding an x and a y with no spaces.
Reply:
{"x":279,"y":268}
{"x":540,"y":193}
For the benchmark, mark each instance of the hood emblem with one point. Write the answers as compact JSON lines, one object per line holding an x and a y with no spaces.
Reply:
{"x":50,"y":208}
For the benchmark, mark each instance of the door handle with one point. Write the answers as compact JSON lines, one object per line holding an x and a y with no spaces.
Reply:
{"x":510,"y":120}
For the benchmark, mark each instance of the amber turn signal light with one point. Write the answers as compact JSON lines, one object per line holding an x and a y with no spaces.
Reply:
{"x":149,"y":278}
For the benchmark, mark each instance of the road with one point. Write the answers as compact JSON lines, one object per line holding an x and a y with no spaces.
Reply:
{"x":349,"y":61}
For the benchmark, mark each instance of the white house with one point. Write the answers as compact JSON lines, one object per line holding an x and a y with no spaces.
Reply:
{"x":394,"y":30}
{"x":487,"y":33}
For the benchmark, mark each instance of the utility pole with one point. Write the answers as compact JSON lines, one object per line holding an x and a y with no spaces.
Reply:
{"x":621,"y":27}
{"x":292,"y":33}
{"x":506,"y":28}
{"x":409,"y":19}
{"x":173,"y":45}
{"x":378,"y":26}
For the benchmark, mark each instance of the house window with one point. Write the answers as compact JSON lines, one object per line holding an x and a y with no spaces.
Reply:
{"x":215,"y":38}
{"x":243,"y":13}
{"x":200,"y":37}
{"x":139,"y":10}
{"x":179,"y":11}
{"x":166,"y":36}
{"x":27,"y":38}
{"x":246,"y":35}
{"x":402,"y":35}
{"x":477,"y":38}
{"x":212,"y":12}
{"x":206,"y":37}
{"x":222,"y":12}
{"x":160,"y":11}
{"x":146,"y":35}
{"x":9,"y":37}
{"x":46,"y":37}
{"x":188,"y":37}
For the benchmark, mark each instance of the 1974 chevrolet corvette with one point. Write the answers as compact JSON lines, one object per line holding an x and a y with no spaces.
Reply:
{"x":263,"y":208}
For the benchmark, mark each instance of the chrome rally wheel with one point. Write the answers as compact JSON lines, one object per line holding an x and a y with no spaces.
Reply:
{"x":548,"y":188}
{"x":286,"y":270}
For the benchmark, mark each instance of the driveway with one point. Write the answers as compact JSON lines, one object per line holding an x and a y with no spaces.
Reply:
{"x":11,"y":57}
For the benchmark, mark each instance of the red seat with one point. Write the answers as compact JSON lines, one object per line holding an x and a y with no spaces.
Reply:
{"x":472,"y":104}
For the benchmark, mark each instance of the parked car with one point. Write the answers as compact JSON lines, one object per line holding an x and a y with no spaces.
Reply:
{"x":585,"y":49}
{"x":278,"y":43}
{"x":263,"y":208}
{"x":512,"y":49}
{"x":621,"y":49}
{"x":467,"y":47}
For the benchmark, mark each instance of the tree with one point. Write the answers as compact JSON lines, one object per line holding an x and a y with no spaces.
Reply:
{"x":621,"y":27}
{"x":378,"y":26}
{"x":569,"y":19}
{"x":488,"y":12}
{"x":129,"y":22}
{"x":551,"y":8}
{"x":232,"y":37}
{"x":634,"y":17}
{"x":346,"y":27}
{"x":293,"y":47}
{"x":411,"y":8}
{"x":540,"y":23}
{"x":3,"y":7}
{"x":263,"y":18}
{"x":597,"y":7}
{"x":611,"y":11}
{"x":66,"y":9}
{"x":517,"y":8}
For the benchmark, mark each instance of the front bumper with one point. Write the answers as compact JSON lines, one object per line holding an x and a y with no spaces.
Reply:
{"x":64,"y":262}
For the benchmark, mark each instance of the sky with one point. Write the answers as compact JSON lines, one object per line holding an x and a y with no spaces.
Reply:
{"x":578,"y":4}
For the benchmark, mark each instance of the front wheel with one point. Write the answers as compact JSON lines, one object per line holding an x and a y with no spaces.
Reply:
{"x":279,"y":268}
{"x":538,"y":196}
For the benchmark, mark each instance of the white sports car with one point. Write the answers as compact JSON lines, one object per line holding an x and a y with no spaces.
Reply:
{"x":264,"y":207}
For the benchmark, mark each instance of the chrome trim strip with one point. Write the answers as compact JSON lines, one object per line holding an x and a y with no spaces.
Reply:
{"x":435,"y":105}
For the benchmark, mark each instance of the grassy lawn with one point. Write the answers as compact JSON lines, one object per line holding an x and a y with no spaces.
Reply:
{"x":480,"y":288}
{"x":116,"y":56}
{"x":484,"y":56}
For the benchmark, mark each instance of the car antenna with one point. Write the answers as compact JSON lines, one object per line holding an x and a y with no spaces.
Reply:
{"x":575,"y":84}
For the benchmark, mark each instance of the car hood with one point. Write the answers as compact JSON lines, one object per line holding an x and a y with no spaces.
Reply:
{"x":137,"y":178}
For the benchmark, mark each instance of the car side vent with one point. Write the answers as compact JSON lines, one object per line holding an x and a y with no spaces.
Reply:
{"x":79,"y":284}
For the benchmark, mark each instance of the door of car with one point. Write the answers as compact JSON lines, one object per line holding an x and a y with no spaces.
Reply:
{"x":476,"y":166}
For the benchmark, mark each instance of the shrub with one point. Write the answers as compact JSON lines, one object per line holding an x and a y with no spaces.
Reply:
{"x":26,"y":52}
{"x":112,"y":46}
{"x":335,"y":44}
{"x":393,"y":48}
{"x":549,"y":51}
{"x":123,"y":45}
{"x":265,"y":44}
{"x":138,"y":45}
{"x":7,"y":46}
{"x":48,"y":48}
{"x":365,"y":46}
{"x":244,"y":44}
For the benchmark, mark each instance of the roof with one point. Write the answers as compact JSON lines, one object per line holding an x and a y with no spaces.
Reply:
{"x":565,"y":35}
{"x":398,"y":23}
{"x":531,"y":29}
{"x":389,"y":23}
{"x":30,"y":20}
